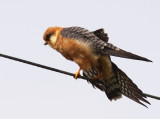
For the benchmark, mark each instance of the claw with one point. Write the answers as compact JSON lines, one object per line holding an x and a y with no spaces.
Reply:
{"x":77,"y":73}
{"x":98,"y":76}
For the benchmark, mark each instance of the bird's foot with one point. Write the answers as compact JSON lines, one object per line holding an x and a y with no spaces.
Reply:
{"x":77,"y":73}
{"x":97,"y":77}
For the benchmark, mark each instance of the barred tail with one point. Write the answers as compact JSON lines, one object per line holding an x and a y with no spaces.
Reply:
{"x":120,"y":84}
{"x":128,"y":88}
{"x":112,"y":89}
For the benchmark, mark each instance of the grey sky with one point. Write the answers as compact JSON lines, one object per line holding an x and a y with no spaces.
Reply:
{"x":28,"y":92}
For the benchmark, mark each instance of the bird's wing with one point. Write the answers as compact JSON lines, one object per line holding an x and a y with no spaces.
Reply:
{"x":101,"y":34}
{"x":99,"y":46}
{"x":120,"y":84}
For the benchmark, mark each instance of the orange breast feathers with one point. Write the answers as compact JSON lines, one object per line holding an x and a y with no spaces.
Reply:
{"x":77,"y":51}
{"x":72,"y":49}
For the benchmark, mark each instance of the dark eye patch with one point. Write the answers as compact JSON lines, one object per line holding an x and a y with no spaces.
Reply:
{"x":48,"y":37}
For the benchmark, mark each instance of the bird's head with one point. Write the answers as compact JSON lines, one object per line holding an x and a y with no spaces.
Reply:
{"x":50,"y":36}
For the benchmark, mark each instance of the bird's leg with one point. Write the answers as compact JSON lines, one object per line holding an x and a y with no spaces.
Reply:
{"x":77,"y":73}
{"x":98,"y":76}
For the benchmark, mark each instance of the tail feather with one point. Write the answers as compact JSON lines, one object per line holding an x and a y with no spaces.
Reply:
{"x":112,"y":89}
{"x":128,"y":88}
{"x":120,"y":84}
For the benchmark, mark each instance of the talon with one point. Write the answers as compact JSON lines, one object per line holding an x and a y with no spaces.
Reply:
{"x":98,"y":76}
{"x":77,"y":73}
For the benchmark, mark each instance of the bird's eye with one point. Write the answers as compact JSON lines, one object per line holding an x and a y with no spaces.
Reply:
{"x":48,"y":37}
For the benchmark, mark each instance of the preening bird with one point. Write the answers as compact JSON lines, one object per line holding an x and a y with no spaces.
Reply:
{"x":91,"y":51}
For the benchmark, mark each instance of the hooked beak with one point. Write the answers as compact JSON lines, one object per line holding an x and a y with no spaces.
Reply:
{"x":45,"y":43}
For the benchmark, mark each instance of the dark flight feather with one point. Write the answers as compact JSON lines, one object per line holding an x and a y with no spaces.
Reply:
{"x":99,"y":41}
{"x":121,"y":83}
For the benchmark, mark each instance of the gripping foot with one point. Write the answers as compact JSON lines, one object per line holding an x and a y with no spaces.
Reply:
{"x":77,"y":73}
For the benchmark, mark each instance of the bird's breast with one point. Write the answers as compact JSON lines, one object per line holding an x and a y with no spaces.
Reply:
{"x":77,"y":51}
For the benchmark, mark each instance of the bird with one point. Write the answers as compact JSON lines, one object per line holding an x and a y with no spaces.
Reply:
{"x":92,"y":52}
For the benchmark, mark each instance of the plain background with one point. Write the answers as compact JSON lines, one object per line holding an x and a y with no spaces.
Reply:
{"x":28,"y":92}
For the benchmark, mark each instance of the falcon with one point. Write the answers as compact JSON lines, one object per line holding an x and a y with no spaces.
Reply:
{"x":91,"y":51}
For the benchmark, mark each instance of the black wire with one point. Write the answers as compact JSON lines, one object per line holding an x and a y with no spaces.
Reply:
{"x":43,"y":66}
{"x":60,"y":71}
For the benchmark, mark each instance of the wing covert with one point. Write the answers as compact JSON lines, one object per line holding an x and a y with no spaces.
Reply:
{"x":100,"y":46}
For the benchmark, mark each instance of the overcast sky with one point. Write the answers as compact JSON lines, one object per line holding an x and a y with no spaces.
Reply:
{"x":28,"y":92}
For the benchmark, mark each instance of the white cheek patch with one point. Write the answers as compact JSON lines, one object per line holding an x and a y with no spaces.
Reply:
{"x":53,"y":40}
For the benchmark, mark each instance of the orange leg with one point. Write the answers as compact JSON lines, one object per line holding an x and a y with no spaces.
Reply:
{"x":77,"y":73}
{"x":98,"y":76}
